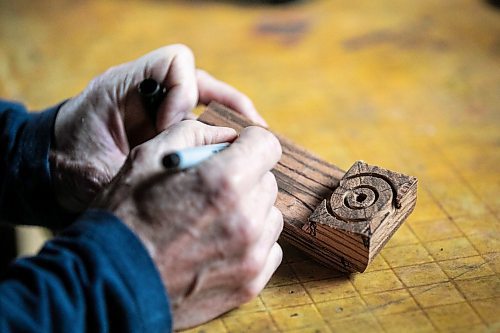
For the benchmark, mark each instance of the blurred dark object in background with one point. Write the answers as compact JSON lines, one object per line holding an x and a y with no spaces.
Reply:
{"x":495,"y":3}
{"x":278,"y":1}
{"x":271,"y":2}
{"x":253,"y":2}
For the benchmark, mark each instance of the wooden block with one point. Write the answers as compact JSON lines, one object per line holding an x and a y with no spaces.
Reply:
{"x":341,"y":219}
{"x":363,"y":212}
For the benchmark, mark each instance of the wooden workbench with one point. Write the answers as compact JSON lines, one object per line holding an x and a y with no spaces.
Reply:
{"x":413,"y":86}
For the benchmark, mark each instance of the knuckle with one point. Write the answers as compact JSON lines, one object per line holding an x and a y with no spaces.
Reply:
{"x":270,"y":184}
{"x":246,"y":235}
{"x":138,"y":154}
{"x":188,"y":125}
{"x":235,"y":228}
{"x":249,"y":292}
{"x":278,"y":217}
{"x":166,"y":54}
{"x":181,"y":49}
{"x":239,"y":231}
{"x":243,"y":150}
{"x":219,"y":186}
{"x":227,"y":185}
{"x":251,"y":266}
{"x":279,"y":254}
{"x":272,"y":144}
{"x":281,"y":222}
{"x":256,"y":131}
{"x":243,"y":100}
{"x":275,"y":143}
{"x":277,"y":213}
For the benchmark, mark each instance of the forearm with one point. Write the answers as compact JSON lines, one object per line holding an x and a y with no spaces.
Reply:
{"x":96,"y":276}
{"x":26,"y":191}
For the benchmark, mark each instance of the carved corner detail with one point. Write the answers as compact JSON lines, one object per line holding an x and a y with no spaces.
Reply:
{"x":369,"y":204}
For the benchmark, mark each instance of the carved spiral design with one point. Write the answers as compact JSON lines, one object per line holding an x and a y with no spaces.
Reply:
{"x":361,"y":197}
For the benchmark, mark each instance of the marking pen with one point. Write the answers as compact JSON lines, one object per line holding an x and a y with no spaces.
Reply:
{"x":190,"y":157}
{"x":152,"y":94}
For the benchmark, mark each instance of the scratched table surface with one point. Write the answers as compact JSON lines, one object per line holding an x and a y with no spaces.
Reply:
{"x":413,"y":86}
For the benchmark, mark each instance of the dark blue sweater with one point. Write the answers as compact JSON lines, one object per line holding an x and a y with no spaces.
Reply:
{"x":95,"y":276}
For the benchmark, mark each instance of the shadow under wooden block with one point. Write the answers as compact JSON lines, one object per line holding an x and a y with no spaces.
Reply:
{"x":341,"y":219}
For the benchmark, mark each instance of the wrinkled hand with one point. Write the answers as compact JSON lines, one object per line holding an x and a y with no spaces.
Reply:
{"x":211,"y":230}
{"x":95,"y":131}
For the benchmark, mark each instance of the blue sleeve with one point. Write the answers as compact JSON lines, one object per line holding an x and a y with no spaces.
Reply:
{"x":96,"y":276}
{"x":26,"y":193}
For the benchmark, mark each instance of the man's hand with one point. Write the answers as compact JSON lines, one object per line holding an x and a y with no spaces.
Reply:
{"x":95,"y":131}
{"x":211,"y":230}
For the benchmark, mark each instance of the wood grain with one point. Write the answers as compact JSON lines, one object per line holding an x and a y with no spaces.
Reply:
{"x":363,"y":82}
{"x":341,"y":219}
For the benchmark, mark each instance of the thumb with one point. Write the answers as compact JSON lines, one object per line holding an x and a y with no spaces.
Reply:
{"x":191,"y":133}
{"x":187,"y":133}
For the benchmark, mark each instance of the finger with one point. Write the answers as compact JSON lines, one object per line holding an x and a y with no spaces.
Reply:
{"x":237,"y":271}
{"x":181,"y":85}
{"x":191,"y":133}
{"x":210,"y":89}
{"x":272,"y":228}
{"x":249,"y":157}
{"x":187,"y":133}
{"x":259,"y":201}
{"x":255,"y":286}
{"x":173,"y":66}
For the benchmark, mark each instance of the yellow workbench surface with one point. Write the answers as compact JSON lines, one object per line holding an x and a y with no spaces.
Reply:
{"x":413,"y":86}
